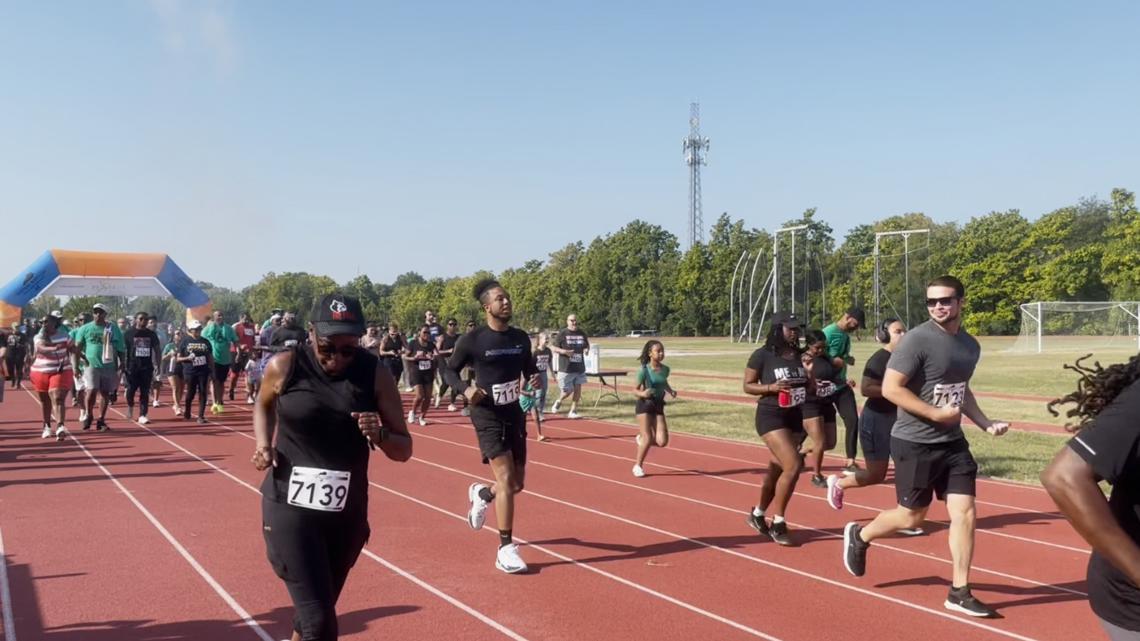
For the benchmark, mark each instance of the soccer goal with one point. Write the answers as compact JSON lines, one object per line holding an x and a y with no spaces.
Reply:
{"x":1074,"y":326}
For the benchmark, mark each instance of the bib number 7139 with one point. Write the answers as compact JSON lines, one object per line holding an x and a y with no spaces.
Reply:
{"x":315,"y":489}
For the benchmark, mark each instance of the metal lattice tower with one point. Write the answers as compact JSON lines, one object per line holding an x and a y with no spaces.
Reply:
{"x":695,"y":148}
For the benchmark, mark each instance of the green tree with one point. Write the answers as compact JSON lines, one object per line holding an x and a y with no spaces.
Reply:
{"x":992,"y":257}
{"x":1120,"y":264}
{"x":291,"y":291}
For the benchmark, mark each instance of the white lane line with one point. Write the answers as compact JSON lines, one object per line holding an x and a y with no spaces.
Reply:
{"x":6,"y":593}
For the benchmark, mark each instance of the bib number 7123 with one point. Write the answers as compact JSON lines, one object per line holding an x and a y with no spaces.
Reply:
{"x":949,"y":395}
{"x":315,"y":489}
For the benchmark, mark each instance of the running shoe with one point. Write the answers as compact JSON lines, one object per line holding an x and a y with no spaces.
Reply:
{"x":83,"y":416}
{"x":409,"y":390}
{"x":60,"y":432}
{"x":508,"y":559}
{"x":435,"y":402}
{"x":962,"y":600}
{"x":451,"y":407}
{"x":101,"y":426}
{"x":466,"y":412}
{"x":779,"y":533}
{"x":86,"y":422}
{"x":818,"y":480}
{"x":411,"y":417}
{"x":834,"y":493}
{"x":912,"y":531}
{"x":477,"y":513}
{"x":130,"y":412}
{"x":217,"y":408}
{"x":854,"y":467}
{"x":423,"y":421}
{"x":638,"y":471}
{"x":854,"y":550}
{"x":573,"y":415}
{"x":202,"y":420}
{"x":249,"y":400}
{"x":758,"y":523}
{"x":231,"y":395}
{"x":541,"y":437}
{"x":174,"y":408}
{"x":155,"y":403}
{"x":555,"y":407}
{"x":47,"y":431}
{"x":143,"y":420}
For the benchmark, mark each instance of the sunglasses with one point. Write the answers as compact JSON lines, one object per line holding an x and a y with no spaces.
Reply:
{"x":327,"y":349}
{"x":945,"y":301}
{"x":451,"y":324}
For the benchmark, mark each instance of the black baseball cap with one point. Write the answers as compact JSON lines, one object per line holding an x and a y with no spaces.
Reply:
{"x":336,"y":314}
{"x":787,"y":319}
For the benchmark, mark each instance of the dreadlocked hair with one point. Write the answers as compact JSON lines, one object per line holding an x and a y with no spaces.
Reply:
{"x":776,"y":343}
{"x":1096,"y":388}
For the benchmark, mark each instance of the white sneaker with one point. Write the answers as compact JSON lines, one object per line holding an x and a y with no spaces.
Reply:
{"x":834,"y":493}
{"x":423,"y":421}
{"x":465,"y":412}
{"x":477,"y":514}
{"x":435,"y":402}
{"x":412,"y":417}
{"x":249,"y":400}
{"x":130,"y":412}
{"x":82,"y":415}
{"x":573,"y":414}
{"x":554,"y":408}
{"x":638,"y":471}
{"x":509,"y":561}
{"x":143,"y":420}
{"x":409,"y":390}
{"x":60,"y":433}
{"x":47,"y":432}
{"x":912,"y":531}
{"x":451,"y":407}
{"x":155,"y":404}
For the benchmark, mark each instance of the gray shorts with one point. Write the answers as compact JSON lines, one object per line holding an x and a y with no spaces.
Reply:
{"x":567,"y":381}
{"x":875,"y":434}
{"x":101,"y":379}
{"x":1117,"y":633}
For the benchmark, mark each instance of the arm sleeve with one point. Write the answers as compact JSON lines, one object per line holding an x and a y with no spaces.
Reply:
{"x":459,"y":359}
{"x":1112,"y":445}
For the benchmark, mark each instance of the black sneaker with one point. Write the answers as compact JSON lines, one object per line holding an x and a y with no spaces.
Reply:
{"x":779,"y":533}
{"x":759,"y":524}
{"x":186,"y":416}
{"x":231,"y":395}
{"x":202,"y":420}
{"x":854,"y":550}
{"x":87,"y":423}
{"x":962,"y":600}
{"x":818,"y":480}
{"x":101,"y":426}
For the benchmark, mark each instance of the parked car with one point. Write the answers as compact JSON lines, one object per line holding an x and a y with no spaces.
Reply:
{"x":639,"y":333}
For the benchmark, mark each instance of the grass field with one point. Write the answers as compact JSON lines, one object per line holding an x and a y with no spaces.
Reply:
{"x":1018,"y":456}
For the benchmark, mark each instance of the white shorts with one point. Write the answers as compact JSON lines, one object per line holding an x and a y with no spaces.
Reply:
{"x":567,"y":381}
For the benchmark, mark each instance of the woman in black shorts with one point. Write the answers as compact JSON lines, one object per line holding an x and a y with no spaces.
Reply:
{"x":776,"y":374}
{"x":818,"y":409}
{"x":652,"y":385}
{"x":329,"y":402}
{"x":421,"y":373}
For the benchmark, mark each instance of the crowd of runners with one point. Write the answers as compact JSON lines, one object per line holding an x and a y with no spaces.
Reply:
{"x":327,"y":394}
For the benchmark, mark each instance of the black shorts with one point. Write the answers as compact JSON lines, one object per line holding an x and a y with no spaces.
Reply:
{"x":651,"y":406}
{"x":500,"y":431}
{"x":221,"y":372}
{"x":421,"y":376}
{"x":240,"y":361}
{"x":816,"y":408}
{"x":926,"y":469}
{"x":875,"y":434}
{"x":769,"y":418}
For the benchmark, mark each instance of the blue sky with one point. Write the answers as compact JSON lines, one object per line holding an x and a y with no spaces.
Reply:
{"x":446,"y":137}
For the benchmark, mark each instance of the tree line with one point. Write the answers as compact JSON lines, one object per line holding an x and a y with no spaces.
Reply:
{"x":639,"y":278}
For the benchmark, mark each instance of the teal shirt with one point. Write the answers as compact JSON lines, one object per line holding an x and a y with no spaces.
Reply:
{"x":90,"y":339}
{"x":838,"y":346}
{"x":220,"y":337}
{"x":654,"y":380}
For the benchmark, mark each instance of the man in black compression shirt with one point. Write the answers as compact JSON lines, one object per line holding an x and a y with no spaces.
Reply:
{"x":500,"y":355}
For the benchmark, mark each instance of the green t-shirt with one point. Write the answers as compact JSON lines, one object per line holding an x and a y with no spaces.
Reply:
{"x":838,"y":346}
{"x":220,"y":337}
{"x":654,"y":380}
{"x":91,"y":337}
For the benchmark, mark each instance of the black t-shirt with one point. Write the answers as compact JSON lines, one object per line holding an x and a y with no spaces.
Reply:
{"x":576,"y":341}
{"x":288,"y":336}
{"x":17,"y":346}
{"x":1111,"y":446}
{"x":775,"y":368}
{"x":392,"y":343}
{"x":875,"y":369}
{"x":499,"y":359}
{"x":542,"y":359}
{"x":142,"y":347}
{"x":200,"y":349}
{"x":428,"y":349}
{"x":824,"y":372}
{"x":447,"y":342}
{"x":435,"y":330}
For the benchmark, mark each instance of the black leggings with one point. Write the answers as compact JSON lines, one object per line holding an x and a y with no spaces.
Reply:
{"x":312,"y":553}
{"x":197,"y":384}
{"x":139,"y":380}
{"x":15,"y":365}
{"x":845,"y":404}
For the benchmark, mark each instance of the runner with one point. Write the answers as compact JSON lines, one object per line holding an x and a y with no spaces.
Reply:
{"x":279,"y":313}
{"x":819,"y":407}
{"x":776,"y":374}
{"x":876,"y":421}
{"x":327,"y":404}
{"x":652,"y":384}
{"x":142,"y":361}
{"x":246,"y":332}
{"x":173,"y":369}
{"x":500,"y":356}
{"x":197,"y":357}
{"x":100,"y":346}
{"x":80,"y":393}
{"x":445,"y":347}
{"x":571,"y":346}
{"x":434,"y":328}
{"x":928,"y":378}
{"x":288,"y":335}
{"x":370,"y":342}
{"x":223,"y":340}
{"x":839,"y":351}
{"x":420,"y":355}
{"x":159,"y":371}
{"x":16,"y":356}
{"x":51,"y":374}
{"x":1106,"y":447}
{"x":542,"y":361}
{"x":391,"y":351}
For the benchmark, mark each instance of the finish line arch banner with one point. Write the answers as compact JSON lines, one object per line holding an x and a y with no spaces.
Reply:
{"x":61,"y":272}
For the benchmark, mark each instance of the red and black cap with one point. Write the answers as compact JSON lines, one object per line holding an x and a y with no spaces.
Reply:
{"x":337,"y":314}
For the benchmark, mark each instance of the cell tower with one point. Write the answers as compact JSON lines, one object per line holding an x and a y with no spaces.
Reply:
{"x":695,"y":148}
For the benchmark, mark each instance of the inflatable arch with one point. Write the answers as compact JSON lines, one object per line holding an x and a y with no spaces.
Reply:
{"x":60,"y":272}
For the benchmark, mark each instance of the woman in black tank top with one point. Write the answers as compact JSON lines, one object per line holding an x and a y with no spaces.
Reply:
{"x":329,"y":402}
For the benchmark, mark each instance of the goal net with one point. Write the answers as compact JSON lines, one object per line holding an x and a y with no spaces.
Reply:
{"x":1055,"y":326}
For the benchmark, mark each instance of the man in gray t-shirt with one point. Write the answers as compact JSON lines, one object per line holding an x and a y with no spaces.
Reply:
{"x":928,"y":378}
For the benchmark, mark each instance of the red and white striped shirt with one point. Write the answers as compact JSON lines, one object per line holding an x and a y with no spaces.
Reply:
{"x":52,"y":353}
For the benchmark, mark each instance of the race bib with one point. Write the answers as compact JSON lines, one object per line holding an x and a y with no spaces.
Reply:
{"x":291,"y":342}
{"x":949,"y":395}
{"x":797,"y":396}
{"x":824,"y":388}
{"x":198,"y":361}
{"x":424,"y":365}
{"x":248,"y":332}
{"x":505,"y":393}
{"x":315,"y":489}
{"x":142,"y":351}
{"x":575,"y":358}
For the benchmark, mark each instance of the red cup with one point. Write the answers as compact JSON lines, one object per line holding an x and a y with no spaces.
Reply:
{"x":784,"y":398}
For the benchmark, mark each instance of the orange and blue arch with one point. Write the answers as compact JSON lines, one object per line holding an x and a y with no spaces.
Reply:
{"x":61,"y":272}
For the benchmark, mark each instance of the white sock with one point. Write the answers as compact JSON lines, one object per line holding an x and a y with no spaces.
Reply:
{"x":777,"y":519}
{"x":757,"y":512}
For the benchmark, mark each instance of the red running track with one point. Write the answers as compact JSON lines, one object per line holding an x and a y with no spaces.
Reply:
{"x":152,"y":532}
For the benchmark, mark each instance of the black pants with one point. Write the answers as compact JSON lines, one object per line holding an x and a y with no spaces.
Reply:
{"x":197,"y":384}
{"x":139,"y":380}
{"x":312,"y":553}
{"x":845,"y":404}
{"x":15,"y":365}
